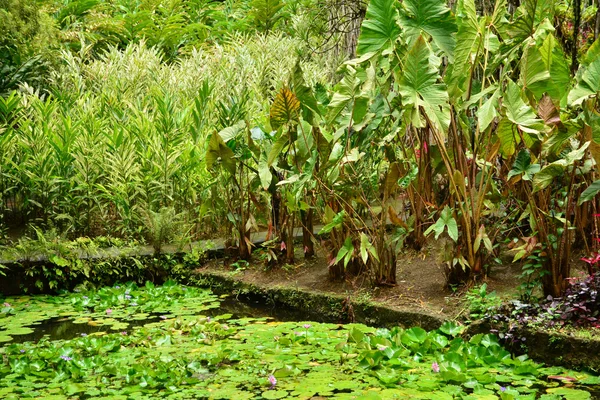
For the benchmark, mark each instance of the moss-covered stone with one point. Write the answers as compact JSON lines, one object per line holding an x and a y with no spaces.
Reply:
{"x":318,"y":306}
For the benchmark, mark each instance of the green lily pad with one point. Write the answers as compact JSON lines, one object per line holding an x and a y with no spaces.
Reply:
{"x":19,"y":331}
{"x":571,"y":394}
{"x":275,"y":394}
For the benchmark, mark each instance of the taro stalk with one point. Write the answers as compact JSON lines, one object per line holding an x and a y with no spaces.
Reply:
{"x":293,"y":156}
{"x":554,"y":173}
{"x":274,"y":167}
{"x":430,"y":119}
{"x":359,"y":179}
{"x":229,"y":156}
{"x":450,"y":107}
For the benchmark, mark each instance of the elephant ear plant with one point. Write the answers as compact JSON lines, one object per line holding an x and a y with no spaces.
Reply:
{"x":451,"y":100}
{"x":291,"y":160}
{"x":229,"y":157}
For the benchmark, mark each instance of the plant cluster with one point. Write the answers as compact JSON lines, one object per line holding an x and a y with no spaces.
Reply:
{"x":55,"y":264}
{"x":480,"y":302}
{"x":454,"y":120}
{"x":117,"y":173}
{"x":34,"y":33}
{"x":27,"y":36}
{"x":578,"y":307}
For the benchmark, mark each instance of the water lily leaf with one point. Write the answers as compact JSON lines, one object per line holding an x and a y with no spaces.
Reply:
{"x":570,"y":393}
{"x":451,"y":328}
{"x":274,"y":394}
{"x":414,"y":335}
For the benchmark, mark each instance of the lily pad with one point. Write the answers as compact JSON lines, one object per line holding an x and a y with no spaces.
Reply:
{"x":274,"y":394}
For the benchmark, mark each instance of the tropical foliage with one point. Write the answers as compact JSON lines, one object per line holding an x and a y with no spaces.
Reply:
{"x":475,"y":124}
{"x":368,"y":128}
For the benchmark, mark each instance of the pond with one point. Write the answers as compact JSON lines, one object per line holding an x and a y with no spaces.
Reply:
{"x":178,"y":342}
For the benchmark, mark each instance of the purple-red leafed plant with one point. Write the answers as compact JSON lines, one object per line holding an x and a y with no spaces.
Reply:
{"x":580,"y":306}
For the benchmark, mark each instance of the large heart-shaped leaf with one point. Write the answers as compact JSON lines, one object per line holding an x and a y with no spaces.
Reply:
{"x":284,"y":109}
{"x":380,"y":29}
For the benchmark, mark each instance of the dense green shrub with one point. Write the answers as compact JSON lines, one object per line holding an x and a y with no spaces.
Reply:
{"x":26,"y":34}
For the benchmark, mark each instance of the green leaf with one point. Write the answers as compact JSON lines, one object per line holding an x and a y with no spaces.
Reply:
{"x":380,"y":29}
{"x":451,"y":328}
{"x":523,"y":166}
{"x":432,"y":17}
{"x":487,"y":112}
{"x":275,"y":394}
{"x":468,"y":44}
{"x":336,"y":222}
{"x":452,"y":229}
{"x":520,"y":113}
{"x":267,"y":13}
{"x":534,"y":72}
{"x":277,"y":148}
{"x":218,"y":152}
{"x":589,"y":193}
{"x":588,"y":82}
{"x":364,"y":242}
{"x":560,"y":76}
{"x":419,"y":88}
{"x":305,"y":95}
{"x":367,"y":248}
{"x":508,"y":137}
{"x":415,"y":335}
{"x":231,"y":132}
{"x":344,"y":95}
{"x":446,"y":221}
{"x":73,"y":388}
{"x":529,"y":16}
{"x":345,"y":252}
{"x":264,"y":173}
{"x":356,"y":335}
{"x":545,"y":177}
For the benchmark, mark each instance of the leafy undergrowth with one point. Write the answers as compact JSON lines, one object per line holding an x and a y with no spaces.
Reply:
{"x":578,"y":308}
{"x":186,"y":355}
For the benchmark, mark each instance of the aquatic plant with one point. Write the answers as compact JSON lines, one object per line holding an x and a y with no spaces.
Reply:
{"x":190,"y":355}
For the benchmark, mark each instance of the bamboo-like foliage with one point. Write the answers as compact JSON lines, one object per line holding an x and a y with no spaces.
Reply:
{"x":123,"y":136}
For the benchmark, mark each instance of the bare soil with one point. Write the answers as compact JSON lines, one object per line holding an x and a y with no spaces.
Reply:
{"x":420,"y":281}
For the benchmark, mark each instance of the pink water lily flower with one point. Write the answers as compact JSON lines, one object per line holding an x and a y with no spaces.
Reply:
{"x":272,"y":380}
{"x":108,"y":311}
{"x":435,"y":367}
